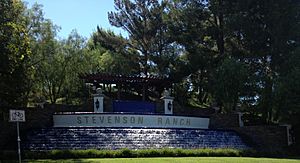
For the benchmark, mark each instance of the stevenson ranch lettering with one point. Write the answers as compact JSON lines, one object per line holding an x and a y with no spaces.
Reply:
{"x":127,"y":120}
{"x":131,"y":120}
{"x":109,"y":119}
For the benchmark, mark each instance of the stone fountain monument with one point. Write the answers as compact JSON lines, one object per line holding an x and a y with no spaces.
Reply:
{"x":131,"y":124}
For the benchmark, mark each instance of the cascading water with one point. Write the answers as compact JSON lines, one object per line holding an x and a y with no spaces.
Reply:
{"x":118,"y":138}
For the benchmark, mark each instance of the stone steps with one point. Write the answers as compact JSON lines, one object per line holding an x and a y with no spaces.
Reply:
{"x":118,"y":138}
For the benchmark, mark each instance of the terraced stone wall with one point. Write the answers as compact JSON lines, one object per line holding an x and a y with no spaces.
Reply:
{"x":265,"y":138}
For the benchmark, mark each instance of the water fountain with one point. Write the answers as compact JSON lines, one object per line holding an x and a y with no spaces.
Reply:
{"x":134,"y":138}
{"x":140,"y":129}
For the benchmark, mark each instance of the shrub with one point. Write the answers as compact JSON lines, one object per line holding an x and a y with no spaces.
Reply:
{"x":127,"y":153}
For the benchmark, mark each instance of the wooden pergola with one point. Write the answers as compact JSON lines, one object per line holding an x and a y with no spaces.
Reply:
{"x":136,"y":81}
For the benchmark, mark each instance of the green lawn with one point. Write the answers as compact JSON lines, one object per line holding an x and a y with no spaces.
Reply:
{"x":176,"y":160}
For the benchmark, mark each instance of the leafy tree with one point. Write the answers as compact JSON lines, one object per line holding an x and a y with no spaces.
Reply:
{"x":64,"y":61}
{"x":201,"y":52}
{"x":287,"y":89}
{"x":14,"y":54}
{"x":77,"y":61}
{"x":229,"y":84}
{"x":42,"y":33}
{"x":56,"y":63}
{"x":51,"y":70}
{"x":287,"y":96}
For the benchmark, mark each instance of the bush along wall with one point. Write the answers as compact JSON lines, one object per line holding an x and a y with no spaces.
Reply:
{"x":126,"y":153}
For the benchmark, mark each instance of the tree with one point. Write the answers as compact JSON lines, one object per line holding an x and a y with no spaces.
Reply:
{"x":259,"y":34}
{"x":229,"y":84}
{"x":196,"y":36}
{"x":64,"y":61}
{"x":56,"y":63}
{"x":287,"y":91}
{"x":116,"y":56}
{"x":143,"y":20}
{"x":267,"y":32}
{"x":52,"y":69}
{"x":39,"y":30}
{"x":14,"y":54}
{"x":77,"y":61}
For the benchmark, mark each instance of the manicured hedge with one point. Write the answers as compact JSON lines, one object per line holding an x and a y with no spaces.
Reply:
{"x":126,"y":153}
{"x":123,"y":153}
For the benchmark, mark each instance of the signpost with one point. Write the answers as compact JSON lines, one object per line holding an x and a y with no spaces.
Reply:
{"x":17,"y":116}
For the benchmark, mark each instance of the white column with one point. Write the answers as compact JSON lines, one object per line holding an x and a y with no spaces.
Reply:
{"x":98,"y":101}
{"x":168,"y":102}
{"x":241,"y":123}
{"x":288,"y":134}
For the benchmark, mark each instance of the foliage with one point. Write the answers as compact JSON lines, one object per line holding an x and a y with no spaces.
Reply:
{"x":142,"y":153}
{"x":14,"y":54}
{"x":225,"y":91}
{"x":287,"y":94}
{"x":56,"y":63}
{"x":197,"y":38}
{"x":126,"y":153}
{"x":267,"y":35}
{"x":113,"y":53}
{"x":260,"y":35}
{"x":234,"y":53}
{"x":172,"y":159}
{"x":144,"y":21}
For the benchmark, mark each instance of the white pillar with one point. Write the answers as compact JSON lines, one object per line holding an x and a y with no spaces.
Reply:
{"x":168,"y":102}
{"x":98,"y":101}
{"x":241,"y":123}
{"x":288,"y":134}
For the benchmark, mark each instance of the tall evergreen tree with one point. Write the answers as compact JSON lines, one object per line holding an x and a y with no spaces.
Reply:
{"x":116,"y":56}
{"x":268,"y":34}
{"x":143,"y":20}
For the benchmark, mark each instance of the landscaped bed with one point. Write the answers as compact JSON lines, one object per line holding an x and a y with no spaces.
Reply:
{"x":126,"y":153}
{"x":174,"y":160}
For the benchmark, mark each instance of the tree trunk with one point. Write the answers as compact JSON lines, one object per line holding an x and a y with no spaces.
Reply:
{"x":267,"y":101}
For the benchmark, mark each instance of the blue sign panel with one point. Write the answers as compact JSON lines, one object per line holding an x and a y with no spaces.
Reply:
{"x":133,"y":106}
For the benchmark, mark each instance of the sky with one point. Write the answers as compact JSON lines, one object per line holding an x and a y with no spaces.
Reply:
{"x":82,"y":15}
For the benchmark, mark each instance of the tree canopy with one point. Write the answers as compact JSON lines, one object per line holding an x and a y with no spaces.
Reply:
{"x":235,"y":55}
{"x":14,"y":54}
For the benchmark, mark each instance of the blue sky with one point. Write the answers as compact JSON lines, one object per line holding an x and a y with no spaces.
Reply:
{"x":82,"y":15}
